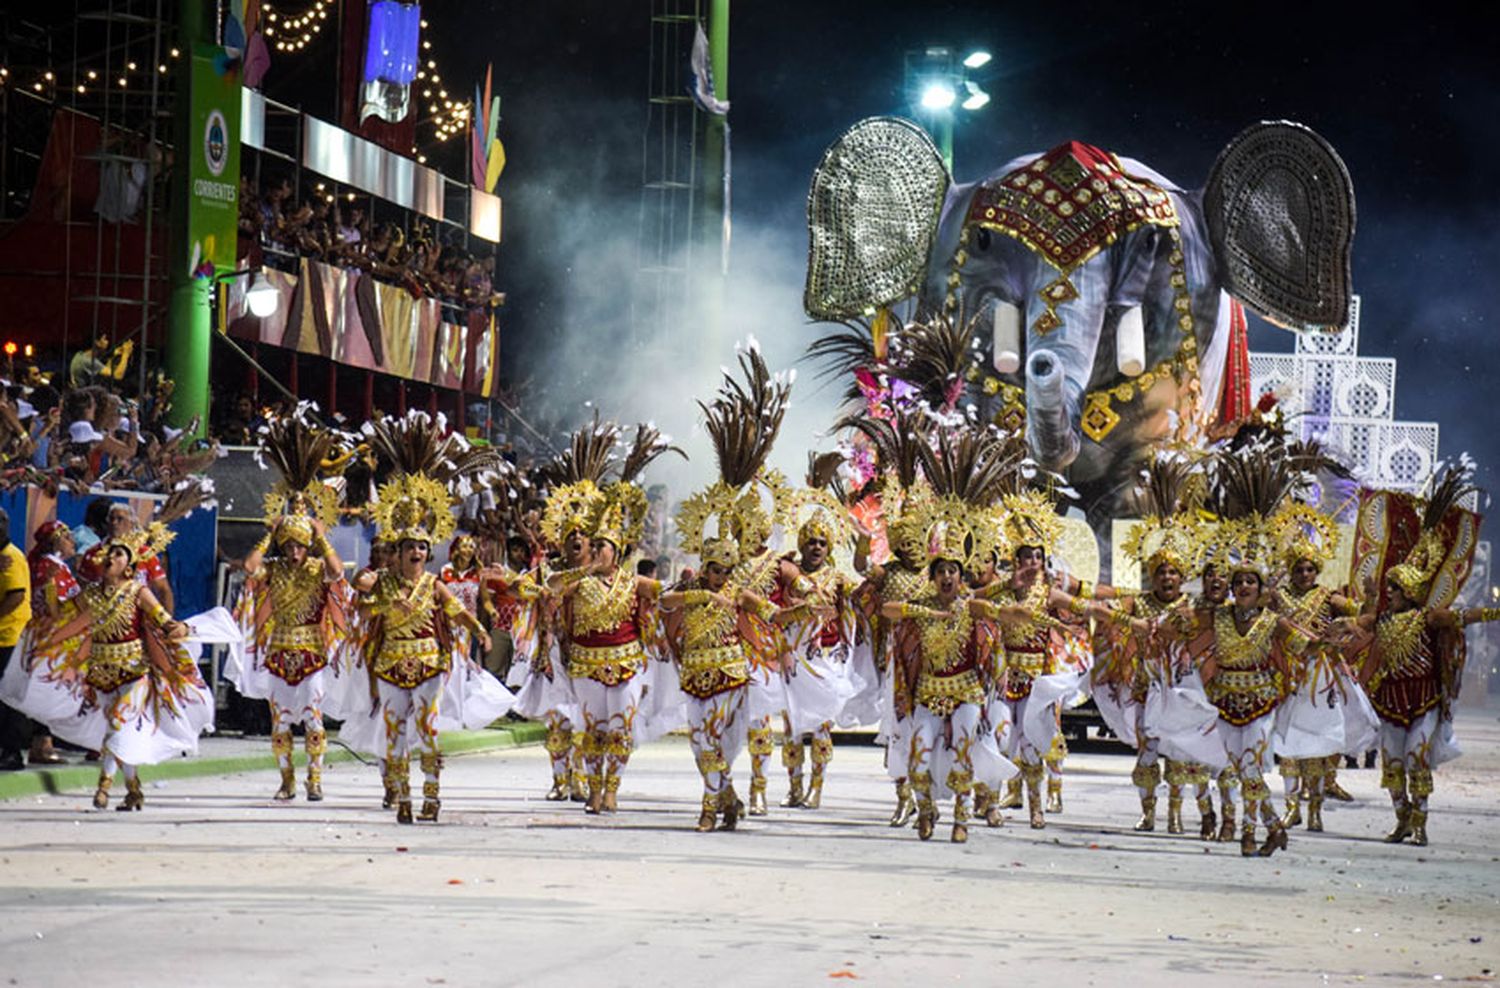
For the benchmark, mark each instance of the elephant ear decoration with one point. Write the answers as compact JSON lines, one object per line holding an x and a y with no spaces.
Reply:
{"x":1280,"y":211}
{"x":872,"y":214}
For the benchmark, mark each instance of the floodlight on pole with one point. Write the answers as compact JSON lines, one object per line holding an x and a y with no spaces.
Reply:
{"x":262,"y":297}
{"x":977,"y":60}
{"x":937,"y":96}
{"x":977,"y":97}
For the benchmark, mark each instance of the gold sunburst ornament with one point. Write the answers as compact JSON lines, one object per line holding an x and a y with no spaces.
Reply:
{"x":1029,"y":518}
{"x":315,"y":500}
{"x":1302,"y":532}
{"x":570,"y":508}
{"x":818,"y":514}
{"x":718,"y":514}
{"x":415,"y":507}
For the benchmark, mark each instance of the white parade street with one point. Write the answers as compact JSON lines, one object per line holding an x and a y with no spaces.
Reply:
{"x":214,"y":884}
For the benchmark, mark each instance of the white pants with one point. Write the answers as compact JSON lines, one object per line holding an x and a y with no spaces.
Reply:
{"x":1249,"y":750}
{"x":1406,"y":758}
{"x":716,"y":732}
{"x":942,"y":752}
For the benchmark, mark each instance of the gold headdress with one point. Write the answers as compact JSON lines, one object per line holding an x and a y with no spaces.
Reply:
{"x":621,"y":518}
{"x":816,"y":510}
{"x":1169,"y":496}
{"x":1250,"y":485}
{"x":432,"y":466}
{"x":298,"y":447}
{"x":139,"y":542}
{"x":742,"y":423}
{"x":1414,"y":574}
{"x":576,"y":475}
{"x":415,"y":507}
{"x":1303,"y":532}
{"x":1030,"y":518}
{"x":967,"y":473}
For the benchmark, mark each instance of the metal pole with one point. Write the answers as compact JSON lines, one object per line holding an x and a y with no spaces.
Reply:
{"x":151,"y":150}
{"x":190,"y":324}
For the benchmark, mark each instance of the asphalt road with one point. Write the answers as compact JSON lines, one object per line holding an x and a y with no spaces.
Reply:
{"x":213,"y":884}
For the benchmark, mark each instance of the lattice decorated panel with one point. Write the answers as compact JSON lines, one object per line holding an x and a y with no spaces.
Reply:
{"x":1341,"y":344}
{"x":1281,"y":373}
{"x":1350,"y":387}
{"x":1397,"y":455}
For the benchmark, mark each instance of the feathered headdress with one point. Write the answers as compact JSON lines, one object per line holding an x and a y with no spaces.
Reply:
{"x":1168,"y":496}
{"x":297,"y":447}
{"x":434,"y":468}
{"x":967,"y":472}
{"x":1445,"y":489}
{"x":1249,"y":485}
{"x":742,"y":423}
{"x":621,"y":517}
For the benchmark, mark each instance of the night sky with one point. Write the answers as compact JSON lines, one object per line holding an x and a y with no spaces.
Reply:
{"x":1411,"y":103}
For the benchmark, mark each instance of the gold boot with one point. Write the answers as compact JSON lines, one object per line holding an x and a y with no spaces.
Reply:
{"x":101,"y":794}
{"x":1208,"y":820}
{"x":926,"y":820}
{"x":430,"y":802}
{"x":905,"y":806}
{"x":559,"y":791}
{"x":758,"y":797}
{"x":611,"y":802}
{"x":1034,"y":803}
{"x":814,"y":799}
{"x":1248,"y":848}
{"x":1054,"y":796}
{"x":1293,"y":814}
{"x":403,"y":811}
{"x":731,"y":808}
{"x":709,"y":817}
{"x":1276,"y":840}
{"x":315,"y":742}
{"x":1419,"y":827}
{"x":288,"y":790}
{"x":1012,"y":798}
{"x":1315,"y":814}
{"x":1226,"y":825}
{"x":389,"y":799}
{"x":1174,"y":814}
{"x":578,"y":787}
{"x":133,"y":800}
{"x":596,"y":794}
{"x":314,"y":784}
{"x":1147,"y":822}
{"x":794,"y":794}
{"x":1403,"y":828}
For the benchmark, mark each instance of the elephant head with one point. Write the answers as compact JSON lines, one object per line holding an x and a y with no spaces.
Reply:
{"x":1102,"y":288}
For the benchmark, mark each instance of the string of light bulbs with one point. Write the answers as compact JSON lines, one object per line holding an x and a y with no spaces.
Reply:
{"x":46,"y":83}
{"x":294,"y":32}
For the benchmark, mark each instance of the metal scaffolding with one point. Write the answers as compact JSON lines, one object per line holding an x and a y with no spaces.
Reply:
{"x":669,"y":169}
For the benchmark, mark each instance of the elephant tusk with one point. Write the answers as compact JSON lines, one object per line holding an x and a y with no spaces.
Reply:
{"x":1130,"y":342}
{"x":1006,"y":340}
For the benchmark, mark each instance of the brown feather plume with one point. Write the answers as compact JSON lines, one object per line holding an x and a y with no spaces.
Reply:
{"x":897,"y":441}
{"x":743,"y":421}
{"x":418,"y":443}
{"x":297,"y":447}
{"x":974,"y":466}
{"x":649,"y":444}
{"x":587,"y":457}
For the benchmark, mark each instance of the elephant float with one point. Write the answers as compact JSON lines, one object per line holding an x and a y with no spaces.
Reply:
{"x":1106,"y":296}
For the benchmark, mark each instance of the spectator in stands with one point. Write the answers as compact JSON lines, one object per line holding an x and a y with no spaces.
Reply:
{"x":15,"y":612}
{"x":88,"y":366}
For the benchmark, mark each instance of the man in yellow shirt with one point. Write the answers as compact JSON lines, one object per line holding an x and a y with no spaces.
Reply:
{"x":15,"y":613}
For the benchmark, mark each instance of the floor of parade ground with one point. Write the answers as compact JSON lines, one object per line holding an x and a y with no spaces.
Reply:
{"x":214,"y":884}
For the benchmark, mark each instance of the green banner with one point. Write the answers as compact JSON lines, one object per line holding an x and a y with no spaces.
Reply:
{"x":214,"y":156}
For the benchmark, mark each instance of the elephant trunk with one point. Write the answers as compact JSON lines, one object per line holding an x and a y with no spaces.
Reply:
{"x":1052,"y":411}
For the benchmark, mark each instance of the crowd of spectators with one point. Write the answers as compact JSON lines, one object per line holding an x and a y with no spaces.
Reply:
{"x":92,"y":424}
{"x":338,"y":231}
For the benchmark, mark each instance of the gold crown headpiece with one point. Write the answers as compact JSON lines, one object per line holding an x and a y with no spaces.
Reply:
{"x":1175,"y":539}
{"x":731,"y":514}
{"x":1247,"y":545}
{"x":570,"y":508}
{"x":818,"y":514}
{"x":295,"y":529}
{"x":619,"y":516}
{"x":1030,"y":519}
{"x":1302,"y":532}
{"x":954,"y":530}
{"x":139,"y":541}
{"x":415,"y":507}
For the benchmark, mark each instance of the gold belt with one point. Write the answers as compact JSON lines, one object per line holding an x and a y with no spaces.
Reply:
{"x":609,"y":664}
{"x":115,"y":653}
{"x":305,"y":636}
{"x":424,"y":650}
